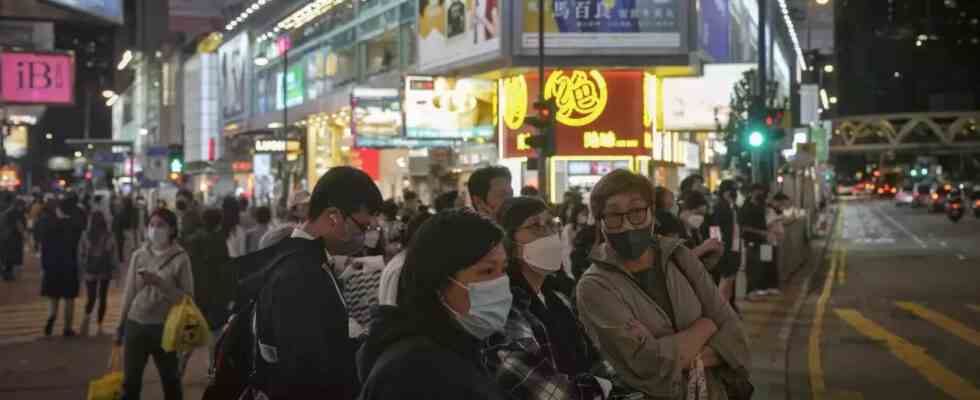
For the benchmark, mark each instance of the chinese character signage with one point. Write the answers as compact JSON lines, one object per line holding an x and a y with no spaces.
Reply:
{"x":607,"y":26}
{"x":452,"y":32}
{"x":445,"y":108}
{"x":599,"y":113}
{"x":37,"y":78}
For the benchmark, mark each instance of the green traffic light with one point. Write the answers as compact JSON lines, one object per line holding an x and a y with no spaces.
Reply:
{"x":756,"y":139}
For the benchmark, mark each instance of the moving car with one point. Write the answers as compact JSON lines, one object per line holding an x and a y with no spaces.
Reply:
{"x":937,"y":196}
{"x":921,"y":192}
{"x":906,"y":196}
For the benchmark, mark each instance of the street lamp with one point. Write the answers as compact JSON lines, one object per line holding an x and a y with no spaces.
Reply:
{"x":823,"y":2}
{"x":108,"y":94}
{"x":261,"y":61}
{"x":829,"y":68}
{"x":78,"y":154}
{"x":49,"y":136}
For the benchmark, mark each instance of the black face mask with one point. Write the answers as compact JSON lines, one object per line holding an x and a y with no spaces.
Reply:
{"x":181,"y":205}
{"x":631,"y":244}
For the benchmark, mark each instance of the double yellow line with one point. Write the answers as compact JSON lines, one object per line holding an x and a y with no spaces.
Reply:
{"x":817,"y":382}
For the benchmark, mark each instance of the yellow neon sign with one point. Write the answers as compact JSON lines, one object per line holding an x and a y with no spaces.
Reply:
{"x":581,"y":98}
{"x":515,"y":103}
{"x":522,"y":141}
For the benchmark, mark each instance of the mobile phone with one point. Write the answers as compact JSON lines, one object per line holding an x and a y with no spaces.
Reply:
{"x":714,"y":232}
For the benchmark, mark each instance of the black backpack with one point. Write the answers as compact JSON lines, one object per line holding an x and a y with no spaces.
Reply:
{"x":235,"y":371}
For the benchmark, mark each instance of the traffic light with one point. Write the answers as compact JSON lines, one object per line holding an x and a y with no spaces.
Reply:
{"x":175,"y":160}
{"x":545,"y":122}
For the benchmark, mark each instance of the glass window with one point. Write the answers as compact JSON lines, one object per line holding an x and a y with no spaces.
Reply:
{"x":409,"y":45}
{"x":407,"y":11}
{"x":382,"y":53}
{"x":369,"y":4}
{"x":341,"y":65}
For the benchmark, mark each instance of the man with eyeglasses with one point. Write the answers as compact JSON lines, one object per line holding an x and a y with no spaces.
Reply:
{"x":302,"y":319}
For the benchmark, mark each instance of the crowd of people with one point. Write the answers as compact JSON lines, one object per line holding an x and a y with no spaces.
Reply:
{"x":629,"y":294}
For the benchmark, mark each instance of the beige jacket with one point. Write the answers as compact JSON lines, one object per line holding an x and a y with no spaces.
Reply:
{"x":611,"y":303}
{"x":148,"y":304}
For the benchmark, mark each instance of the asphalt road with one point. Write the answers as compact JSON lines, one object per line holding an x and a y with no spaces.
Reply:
{"x":893,"y":313}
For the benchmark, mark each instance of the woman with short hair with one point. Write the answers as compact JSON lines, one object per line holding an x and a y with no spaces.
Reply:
{"x":649,"y":304}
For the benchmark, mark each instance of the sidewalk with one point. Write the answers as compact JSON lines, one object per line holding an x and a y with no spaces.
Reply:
{"x":770,"y":323}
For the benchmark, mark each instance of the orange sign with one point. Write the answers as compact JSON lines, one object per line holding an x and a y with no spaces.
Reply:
{"x":600,"y":113}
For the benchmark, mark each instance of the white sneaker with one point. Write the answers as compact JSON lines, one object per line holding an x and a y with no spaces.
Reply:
{"x":774,"y":292}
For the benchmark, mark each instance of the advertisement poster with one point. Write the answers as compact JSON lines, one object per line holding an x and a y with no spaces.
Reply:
{"x":715,"y":27}
{"x":694,"y":103}
{"x":444,"y":108}
{"x":294,"y":87}
{"x":599,"y":113}
{"x":451,"y":31}
{"x":377,"y":117}
{"x":234,"y":61}
{"x":605,"y":24}
{"x":37,"y":78}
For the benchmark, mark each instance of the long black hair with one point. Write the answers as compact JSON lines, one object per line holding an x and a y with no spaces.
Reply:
{"x":98,"y":228}
{"x":447,"y":243}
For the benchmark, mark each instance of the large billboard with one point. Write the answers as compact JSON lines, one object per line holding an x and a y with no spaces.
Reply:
{"x":716,"y":24}
{"x":234,"y":63}
{"x":453,"y":31}
{"x":37,"y":78}
{"x":109,"y":10}
{"x":701,"y":103}
{"x":445,"y":108}
{"x":609,"y":27}
{"x":599,"y":113}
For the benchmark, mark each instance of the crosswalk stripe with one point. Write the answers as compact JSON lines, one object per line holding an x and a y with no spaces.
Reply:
{"x":914,"y":356}
{"x":951,"y":325}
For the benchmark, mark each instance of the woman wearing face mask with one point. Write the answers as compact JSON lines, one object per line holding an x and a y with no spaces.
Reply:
{"x":453,"y":294}
{"x":543,"y":353}
{"x":651,"y":307}
{"x":695,"y":232}
{"x":158,"y":277}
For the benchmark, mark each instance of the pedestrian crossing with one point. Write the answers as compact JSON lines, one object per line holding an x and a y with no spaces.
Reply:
{"x":25,"y":321}
{"x":915,"y":356}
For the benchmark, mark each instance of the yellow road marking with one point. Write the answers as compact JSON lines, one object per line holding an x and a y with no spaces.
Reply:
{"x":953,"y":326}
{"x":842,"y":267}
{"x":912,"y":355}
{"x":817,"y":383}
{"x":974,"y":307}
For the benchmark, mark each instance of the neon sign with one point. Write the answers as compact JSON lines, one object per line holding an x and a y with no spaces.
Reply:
{"x":581,"y":98}
{"x":522,"y":141}
{"x":608,"y":140}
{"x":515,"y":110}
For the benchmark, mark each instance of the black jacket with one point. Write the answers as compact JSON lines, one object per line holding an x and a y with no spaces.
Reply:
{"x":404,"y":358}
{"x":725,"y":218}
{"x":301,"y":314}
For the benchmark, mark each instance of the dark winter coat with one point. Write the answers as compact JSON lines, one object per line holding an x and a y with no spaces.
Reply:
{"x":11,"y":237}
{"x":59,"y":236}
{"x":215,"y":280}
{"x":302,"y":315}
{"x":404,"y":358}
{"x":726,"y":218}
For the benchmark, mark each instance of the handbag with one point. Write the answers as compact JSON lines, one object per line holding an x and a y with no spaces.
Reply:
{"x":108,"y":386}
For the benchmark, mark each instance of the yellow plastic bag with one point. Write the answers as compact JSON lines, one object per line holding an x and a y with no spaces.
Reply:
{"x":109,"y":386}
{"x":186,"y":328}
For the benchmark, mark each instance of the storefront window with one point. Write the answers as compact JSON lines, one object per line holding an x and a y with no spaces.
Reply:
{"x":409,"y":44}
{"x":382,"y":53}
{"x":369,"y":4}
{"x":341,"y":65}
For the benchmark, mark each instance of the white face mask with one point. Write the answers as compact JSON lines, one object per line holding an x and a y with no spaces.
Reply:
{"x":695,"y":220}
{"x":544,"y":253}
{"x":158,"y":236}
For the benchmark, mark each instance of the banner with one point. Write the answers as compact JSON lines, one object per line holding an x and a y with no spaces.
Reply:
{"x":650,"y":25}
{"x":446,"y":108}
{"x":716,"y":21}
{"x":37,"y":78}
{"x":701,"y":103}
{"x":453,"y":31}
{"x":234,"y":63}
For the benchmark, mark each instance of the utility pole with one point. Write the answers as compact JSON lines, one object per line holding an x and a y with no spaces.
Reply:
{"x":543,"y":184}
{"x":759,"y":156}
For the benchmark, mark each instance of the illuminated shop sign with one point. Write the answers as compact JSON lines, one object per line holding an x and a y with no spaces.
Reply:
{"x":599,"y":113}
{"x":444,"y":108}
{"x":277,"y":146}
{"x":37,"y":78}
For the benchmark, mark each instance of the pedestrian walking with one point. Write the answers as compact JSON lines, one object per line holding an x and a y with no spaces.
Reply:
{"x":215,"y":279}
{"x":454,"y":294}
{"x":263,"y":220}
{"x":488,"y":188}
{"x":759,"y":256}
{"x":60,"y":229}
{"x":159,"y":276}
{"x":13,"y":233}
{"x":651,"y":306}
{"x":99,"y":265}
{"x":123,"y":222}
{"x":299,"y":210}
{"x":543,"y":352}
{"x":303,"y":325}
{"x":188,"y":213}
